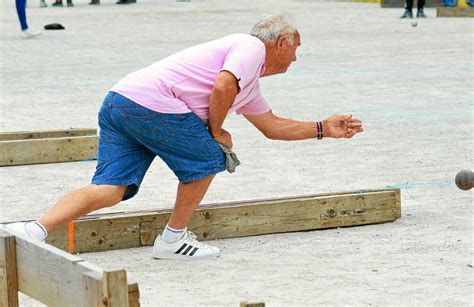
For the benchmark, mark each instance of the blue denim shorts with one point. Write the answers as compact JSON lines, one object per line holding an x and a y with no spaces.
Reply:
{"x":132,"y":135}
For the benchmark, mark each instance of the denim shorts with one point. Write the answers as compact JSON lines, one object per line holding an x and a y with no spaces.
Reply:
{"x":132,"y":135}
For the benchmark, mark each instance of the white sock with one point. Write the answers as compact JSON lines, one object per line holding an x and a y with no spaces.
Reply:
{"x":171,"y":235}
{"x":36,"y":231}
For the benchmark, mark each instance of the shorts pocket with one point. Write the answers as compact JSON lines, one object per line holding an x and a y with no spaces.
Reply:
{"x":139,"y":113}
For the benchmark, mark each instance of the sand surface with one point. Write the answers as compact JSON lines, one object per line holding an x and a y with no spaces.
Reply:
{"x":413,"y":88}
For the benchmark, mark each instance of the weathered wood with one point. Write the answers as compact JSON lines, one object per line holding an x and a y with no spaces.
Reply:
{"x":23,"y":135}
{"x":252,"y":304}
{"x":8,"y":270}
{"x":48,"y":274}
{"x":218,"y":221}
{"x":401,"y":3}
{"x":455,"y":12}
{"x":54,"y":277}
{"x":48,"y":150}
{"x":93,"y":291}
{"x":92,"y":287}
{"x":133,"y":295}
{"x":115,"y":288}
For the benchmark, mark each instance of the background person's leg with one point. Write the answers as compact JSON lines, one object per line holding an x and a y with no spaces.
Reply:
{"x":420,"y":12}
{"x":21,"y":12}
{"x":408,"y":9}
{"x":80,"y":202}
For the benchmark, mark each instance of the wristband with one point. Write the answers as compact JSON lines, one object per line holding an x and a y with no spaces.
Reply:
{"x":319,"y":130}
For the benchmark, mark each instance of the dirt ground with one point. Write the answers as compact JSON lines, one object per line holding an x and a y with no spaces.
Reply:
{"x":412,"y":86}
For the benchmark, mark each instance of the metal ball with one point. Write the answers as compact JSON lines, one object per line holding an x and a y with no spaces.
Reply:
{"x":464,"y":180}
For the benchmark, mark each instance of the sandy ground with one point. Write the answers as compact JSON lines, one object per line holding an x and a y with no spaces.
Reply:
{"x":413,"y":87}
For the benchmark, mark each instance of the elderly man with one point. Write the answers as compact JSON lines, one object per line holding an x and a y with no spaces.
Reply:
{"x":175,"y":109}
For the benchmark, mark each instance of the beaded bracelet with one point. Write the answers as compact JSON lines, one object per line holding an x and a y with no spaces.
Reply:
{"x":319,"y":130}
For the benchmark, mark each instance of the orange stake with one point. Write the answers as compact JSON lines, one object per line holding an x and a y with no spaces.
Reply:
{"x":70,"y":235}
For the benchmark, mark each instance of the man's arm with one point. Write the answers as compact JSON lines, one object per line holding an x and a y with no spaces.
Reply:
{"x":277,"y":128}
{"x":223,"y":95}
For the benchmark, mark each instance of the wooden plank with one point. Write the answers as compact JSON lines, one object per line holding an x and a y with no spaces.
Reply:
{"x":48,"y":274}
{"x":48,"y":150}
{"x":92,"y":282}
{"x":133,"y":295}
{"x":93,"y":288}
{"x":455,"y":12}
{"x":56,"y":278}
{"x":103,"y":232}
{"x":41,"y":134}
{"x":115,"y":288}
{"x":401,"y":3}
{"x":8,"y":270}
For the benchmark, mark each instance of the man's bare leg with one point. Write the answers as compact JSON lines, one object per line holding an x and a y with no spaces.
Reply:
{"x":80,"y":202}
{"x":175,"y":242}
{"x":188,"y":198}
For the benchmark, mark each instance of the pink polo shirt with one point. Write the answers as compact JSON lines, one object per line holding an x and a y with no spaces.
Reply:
{"x":183,"y":82}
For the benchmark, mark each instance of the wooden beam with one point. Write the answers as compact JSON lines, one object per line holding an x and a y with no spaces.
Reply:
{"x":401,"y":3}
{"x":43,"y":134}
{"x":48,"y":150}
{"x":252,"y":304}
{"x":92,"y":287}
{"x":455,"y":12}
{"x":54,"y":277}
{"x":115,"y":288}
{"x":133,"y":295}
{"x":8,"y":271}
{"x":93,"y":291}
{"x":101,"y":232}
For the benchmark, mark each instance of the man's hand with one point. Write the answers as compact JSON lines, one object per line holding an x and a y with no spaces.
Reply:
{"x":223,"y":137}
{"x":341,"y":126}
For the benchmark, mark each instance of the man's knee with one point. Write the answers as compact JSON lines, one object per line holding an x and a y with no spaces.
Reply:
{"x":108,"y":195}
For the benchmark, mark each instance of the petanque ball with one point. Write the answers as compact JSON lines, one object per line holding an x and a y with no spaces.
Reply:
{"x":464,"y":180}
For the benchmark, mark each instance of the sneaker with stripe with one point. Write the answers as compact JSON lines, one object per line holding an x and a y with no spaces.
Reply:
{"x":185,"y":248}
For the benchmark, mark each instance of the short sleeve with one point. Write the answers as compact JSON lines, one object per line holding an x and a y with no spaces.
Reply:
{"x":245,"y":59}
{"x":256,"y":106}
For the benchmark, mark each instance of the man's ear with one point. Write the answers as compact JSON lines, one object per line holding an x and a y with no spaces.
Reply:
{"x":281,"y":42}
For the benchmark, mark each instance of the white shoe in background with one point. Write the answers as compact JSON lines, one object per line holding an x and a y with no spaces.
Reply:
{"x":30,"y":33}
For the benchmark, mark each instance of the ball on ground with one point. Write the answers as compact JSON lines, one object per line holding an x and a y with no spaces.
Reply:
{"x":414,"y":23}
{"x":465,"y":180}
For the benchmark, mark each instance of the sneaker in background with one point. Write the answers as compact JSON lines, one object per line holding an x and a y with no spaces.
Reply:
{"x":407,"y":14}
{"x":30,"y":33}
{"x":420,"y":14}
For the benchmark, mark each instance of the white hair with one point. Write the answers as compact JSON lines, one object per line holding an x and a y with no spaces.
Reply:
{"x":271,"y":27}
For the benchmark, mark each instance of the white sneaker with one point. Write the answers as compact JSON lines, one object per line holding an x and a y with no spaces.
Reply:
{"x":185,"y":248}
{"x":30,"y":33}
{"x":19,"y":228}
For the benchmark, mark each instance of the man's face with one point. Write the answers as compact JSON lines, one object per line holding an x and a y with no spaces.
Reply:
{"x":286,"y":53}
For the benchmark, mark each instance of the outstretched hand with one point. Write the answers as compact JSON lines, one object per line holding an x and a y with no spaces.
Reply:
{"x":342,"y":126}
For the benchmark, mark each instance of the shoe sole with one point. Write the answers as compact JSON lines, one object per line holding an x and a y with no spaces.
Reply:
{"x":184,"y":258}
